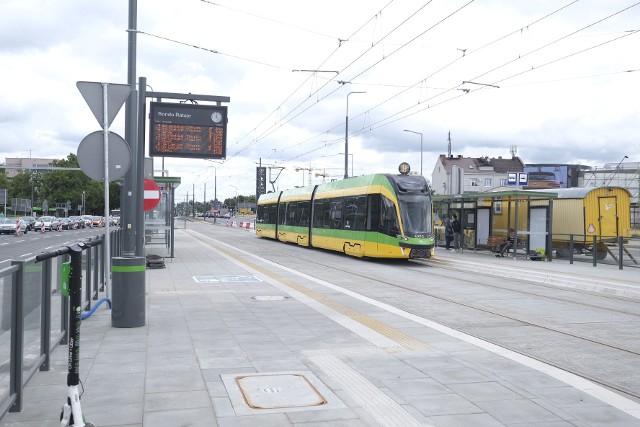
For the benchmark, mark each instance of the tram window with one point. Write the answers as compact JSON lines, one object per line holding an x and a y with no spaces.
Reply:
{"x":388,"y":217}
{"x":335,"y":213}
{"x":273,"y":214}
{"x":318,"y":213}
{"x":292,"y":210}
{"x":303,"y":217}
{"x":373,"y":212}
{"x":355,"y":213}
{"x":261,"y":214}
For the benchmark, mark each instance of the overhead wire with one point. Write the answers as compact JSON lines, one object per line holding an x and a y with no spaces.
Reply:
{"x":386,"y":121}
{"x":273,"y":128}
{"x":456,"y":60}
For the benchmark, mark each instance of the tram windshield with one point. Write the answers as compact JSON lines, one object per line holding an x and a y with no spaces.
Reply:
{"x":415,"y":210}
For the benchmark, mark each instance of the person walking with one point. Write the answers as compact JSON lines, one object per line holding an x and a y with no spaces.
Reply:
{"x":457,"y":229}
{"x":448,"y":234}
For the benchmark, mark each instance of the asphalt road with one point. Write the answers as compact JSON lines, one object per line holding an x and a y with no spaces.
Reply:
{"x":33,"y":243}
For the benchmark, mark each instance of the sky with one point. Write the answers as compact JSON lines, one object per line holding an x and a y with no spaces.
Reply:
{"x":555,"y":80}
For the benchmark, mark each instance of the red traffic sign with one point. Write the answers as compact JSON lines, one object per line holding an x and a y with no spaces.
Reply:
{"x":151,"y":194}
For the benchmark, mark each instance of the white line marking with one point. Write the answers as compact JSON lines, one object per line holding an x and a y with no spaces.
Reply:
{"x":22,"y":256}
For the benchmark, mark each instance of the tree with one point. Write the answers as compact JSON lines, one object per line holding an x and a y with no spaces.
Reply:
{"x":60,"y":186}
{"x":4,"y":181}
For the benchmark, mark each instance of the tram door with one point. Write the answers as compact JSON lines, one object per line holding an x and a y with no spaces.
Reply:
{"x":608,"y":216}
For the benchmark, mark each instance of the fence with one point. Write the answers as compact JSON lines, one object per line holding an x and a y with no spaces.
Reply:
{"x":34,"y":315}
{"x":610,"y":250}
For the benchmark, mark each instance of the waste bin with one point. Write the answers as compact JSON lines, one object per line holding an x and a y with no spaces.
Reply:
{"x":128,"y":292}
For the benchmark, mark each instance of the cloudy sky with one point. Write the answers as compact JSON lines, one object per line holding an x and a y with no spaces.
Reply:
{"x":558,"y":79}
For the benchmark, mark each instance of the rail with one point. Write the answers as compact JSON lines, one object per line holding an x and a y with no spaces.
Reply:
{"x":34,"y":313}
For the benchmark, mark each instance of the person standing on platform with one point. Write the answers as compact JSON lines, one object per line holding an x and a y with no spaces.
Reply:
{"x":457,"y":229}
{"x":448,"y":234}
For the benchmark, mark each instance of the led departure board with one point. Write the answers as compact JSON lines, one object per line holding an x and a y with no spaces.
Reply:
{"x":188,"y":130}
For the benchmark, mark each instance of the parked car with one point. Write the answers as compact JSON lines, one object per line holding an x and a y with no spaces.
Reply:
{"x":8,"y":226}
{"x":88,"y":220}
{"x":97,"y":221}
{"x":30,"y":221}
{"x":47,"y":220}
{"x":65,"y":223}
{"x":80,"y":223}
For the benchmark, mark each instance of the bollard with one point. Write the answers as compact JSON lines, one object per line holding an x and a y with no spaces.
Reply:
{"x":128,"y":292}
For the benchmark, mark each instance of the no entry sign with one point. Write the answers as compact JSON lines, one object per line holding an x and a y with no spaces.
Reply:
{"x":151,"y":194}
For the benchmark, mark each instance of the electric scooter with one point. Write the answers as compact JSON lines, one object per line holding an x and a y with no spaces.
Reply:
{"x":71,"y":415}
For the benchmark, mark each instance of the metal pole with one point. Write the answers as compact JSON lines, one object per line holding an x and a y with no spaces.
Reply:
{"x":107,"y":265}
{"x":139,"y":176}
{"x":127,"y":195}
{"x":346,"y":137}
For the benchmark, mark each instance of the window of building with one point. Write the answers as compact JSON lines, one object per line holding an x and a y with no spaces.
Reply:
{"x":487,"y":182}
{"x":503,"y":182}
{"x":475,"y":182}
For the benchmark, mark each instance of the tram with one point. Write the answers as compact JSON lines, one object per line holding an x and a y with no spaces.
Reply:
{"x":373,"y":216}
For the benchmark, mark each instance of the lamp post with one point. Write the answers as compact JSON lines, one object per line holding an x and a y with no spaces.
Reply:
{"x":351,"y":162}
{"x":236,"y":206}
{"x":418,"y":133}
{"x":616,"y":169}
{"x":346,"y":138}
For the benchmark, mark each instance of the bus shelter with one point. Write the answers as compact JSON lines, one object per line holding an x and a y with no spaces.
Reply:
{"x":487,"y":217}
{"x":160,"y":221}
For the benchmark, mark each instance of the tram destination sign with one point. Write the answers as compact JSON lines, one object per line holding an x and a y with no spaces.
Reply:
{"x":188,"y":130}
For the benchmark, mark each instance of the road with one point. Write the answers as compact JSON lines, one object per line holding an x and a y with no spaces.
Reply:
{"x":33,"y":243}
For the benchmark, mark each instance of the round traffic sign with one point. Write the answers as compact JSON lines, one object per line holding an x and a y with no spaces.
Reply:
{"x":151,"y":194}
{"x":91,"y":155}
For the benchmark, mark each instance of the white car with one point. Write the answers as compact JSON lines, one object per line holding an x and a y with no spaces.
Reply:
{"x":47,"y":220}
{"x":8,"y":226}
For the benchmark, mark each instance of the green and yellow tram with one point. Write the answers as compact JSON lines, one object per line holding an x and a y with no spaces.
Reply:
{"x":376,"y":216}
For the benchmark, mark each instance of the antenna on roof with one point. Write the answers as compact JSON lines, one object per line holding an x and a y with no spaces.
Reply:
{"x":449,"y":146}
{"x":514,"y":150}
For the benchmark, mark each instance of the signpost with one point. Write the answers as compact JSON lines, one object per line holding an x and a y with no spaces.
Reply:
{"x":97,"y":96}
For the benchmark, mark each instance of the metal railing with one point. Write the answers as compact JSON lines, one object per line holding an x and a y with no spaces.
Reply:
{"x":34,"y":314}
{"x":609,"y":250}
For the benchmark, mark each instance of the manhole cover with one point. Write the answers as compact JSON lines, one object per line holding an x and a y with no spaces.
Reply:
{"x":269,"y":297}
{"x":279,"y":391}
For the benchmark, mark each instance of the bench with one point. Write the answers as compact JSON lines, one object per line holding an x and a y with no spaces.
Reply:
{"x":494,"y":242}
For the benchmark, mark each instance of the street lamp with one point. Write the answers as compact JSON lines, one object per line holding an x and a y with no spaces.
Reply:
{"x":616,"y":169}
{"x":418,"y":133}
{"x":236,"y":206}
{"x":346,"y":138}
{"x":351,"y":162}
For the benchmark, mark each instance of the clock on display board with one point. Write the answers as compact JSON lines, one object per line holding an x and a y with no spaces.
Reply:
{"x":216,"y":116}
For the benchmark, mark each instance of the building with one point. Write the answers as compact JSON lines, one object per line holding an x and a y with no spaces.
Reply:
{"x":13,"y":166}
{"x":459,"y":175}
